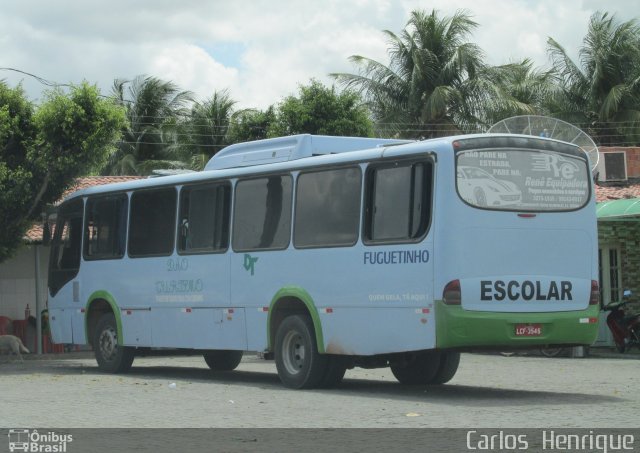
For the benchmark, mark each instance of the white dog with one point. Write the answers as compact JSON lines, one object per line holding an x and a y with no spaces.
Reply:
{"x":10,"y":343}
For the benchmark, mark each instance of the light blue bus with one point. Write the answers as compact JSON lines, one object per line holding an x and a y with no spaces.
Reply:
{"x":326,"y":253}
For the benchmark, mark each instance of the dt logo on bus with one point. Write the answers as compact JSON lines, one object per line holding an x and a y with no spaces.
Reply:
{"x":249,"y":263}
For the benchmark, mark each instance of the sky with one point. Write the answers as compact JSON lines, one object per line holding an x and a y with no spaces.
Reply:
{"x":260,"y":50}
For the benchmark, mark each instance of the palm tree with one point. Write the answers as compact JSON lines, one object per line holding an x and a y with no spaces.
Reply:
{"x":601,"y":92}
{"x":435,"y":83}
{"x":522,"y":90}
{"x":206,"y":130}
{"x":153,"y":109}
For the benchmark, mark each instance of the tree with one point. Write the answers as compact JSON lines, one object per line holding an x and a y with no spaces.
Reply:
{"x":43,"y":149}
{"x":601,"y":92}
{"x":251,"y":124}
{"x":524,"y":90}
{"x":153,"y":109}
{"x":205,"y":132}
{"x":435,"y":84}
{"x":321,"y":110}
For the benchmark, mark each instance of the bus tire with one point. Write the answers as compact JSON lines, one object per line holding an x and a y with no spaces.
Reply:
{"x":336,"y":368}
{"x":222,"y":360}
{"x":111,"y":357}
{"x":298,"y":362}
{"x":422,"y":370}
{"x":449,"y":362}
{"x":551,"y":352}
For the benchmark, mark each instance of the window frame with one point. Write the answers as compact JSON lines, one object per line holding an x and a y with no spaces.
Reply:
{"x":240,"y":180}
{"x":228,"y":212}
{"x":173,"y":229}
{"x":351,"y":165}
{"x":85,"y":238}
{"x":369,"y":193}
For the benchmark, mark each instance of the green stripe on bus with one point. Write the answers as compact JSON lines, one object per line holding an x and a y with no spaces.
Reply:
{"x":104,"y":295}
{"x":304,"y":297}
{"x":457,"y":327}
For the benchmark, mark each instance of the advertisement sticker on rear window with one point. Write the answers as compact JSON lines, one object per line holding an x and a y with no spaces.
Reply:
{"x":513,"y":180}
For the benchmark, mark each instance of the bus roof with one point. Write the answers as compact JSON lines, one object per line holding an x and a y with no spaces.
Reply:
{"x":320,"y":149}
{"x":293,"y":147}
{"x":298,"y":152}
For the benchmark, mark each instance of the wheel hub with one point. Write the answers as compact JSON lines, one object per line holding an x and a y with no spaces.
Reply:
{"x":108,"y":343}
{"x":293,"y":352}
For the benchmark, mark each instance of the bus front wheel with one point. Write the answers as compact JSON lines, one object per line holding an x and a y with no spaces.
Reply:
{"x":222,"y":360}
{"x":111,"y":357}
{"x":296,"y":354}
{"x":334,"y":373}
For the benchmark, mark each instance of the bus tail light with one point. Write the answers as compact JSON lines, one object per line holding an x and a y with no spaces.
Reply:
{"x":594,"y":299}
{"x":452,"y":294}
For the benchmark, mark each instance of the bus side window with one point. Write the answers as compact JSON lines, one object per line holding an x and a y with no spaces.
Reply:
{"x":152,"y":224}
{"x":262,"y":214}
{"x":398,"y":202}
{"x":105,"y":227}
{"x":204,"y":218}
{"x":328,"y":208}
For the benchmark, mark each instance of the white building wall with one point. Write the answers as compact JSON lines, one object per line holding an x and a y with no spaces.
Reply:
{"x":17,"y":282}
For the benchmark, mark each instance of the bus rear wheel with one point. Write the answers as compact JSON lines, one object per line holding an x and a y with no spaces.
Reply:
{"x":449,"y":362}
{"x":222,"y":360}
{"x":422,"y":370}
{"x":111,"y":357}
{"x":298,"y":362}
{"x":551,"y":352}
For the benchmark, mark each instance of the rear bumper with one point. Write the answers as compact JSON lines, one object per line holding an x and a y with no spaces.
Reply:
{"x":459,"y":328}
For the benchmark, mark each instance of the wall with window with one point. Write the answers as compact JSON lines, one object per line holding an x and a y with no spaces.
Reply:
{"x":632,"y":158}
{"x":619,"y":260}
{"x":626,"y":237}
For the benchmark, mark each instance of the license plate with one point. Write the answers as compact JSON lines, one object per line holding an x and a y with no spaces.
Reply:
{"x":528,"y":330}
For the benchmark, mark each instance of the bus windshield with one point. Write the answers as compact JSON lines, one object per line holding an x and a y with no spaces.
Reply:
{"x":512,"y":179}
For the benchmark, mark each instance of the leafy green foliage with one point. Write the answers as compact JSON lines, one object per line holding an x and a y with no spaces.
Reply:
{"x":154,"y":109}
{"x":251,"y":124}
{"x":601,"y":92}
{"x":43,"y":149}
{"x":520,"y":89}
{"x":436,"y":82}
{"x":205,"y":131}
{"x":428,"y":88}
{"x":321,"y":110}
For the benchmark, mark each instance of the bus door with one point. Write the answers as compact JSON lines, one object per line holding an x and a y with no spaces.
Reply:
{"x":64,"y":265}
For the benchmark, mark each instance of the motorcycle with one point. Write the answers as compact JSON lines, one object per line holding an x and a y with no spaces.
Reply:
{"x":624,"y":326}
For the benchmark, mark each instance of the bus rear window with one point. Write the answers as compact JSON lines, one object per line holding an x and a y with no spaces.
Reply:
{"x":522,"y":180}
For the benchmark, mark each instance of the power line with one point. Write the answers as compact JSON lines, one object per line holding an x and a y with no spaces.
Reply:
{"x":417,"y":128}
{"x":43,"y":81}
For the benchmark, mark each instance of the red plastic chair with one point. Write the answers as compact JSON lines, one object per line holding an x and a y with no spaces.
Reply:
{"x":6,"y":326}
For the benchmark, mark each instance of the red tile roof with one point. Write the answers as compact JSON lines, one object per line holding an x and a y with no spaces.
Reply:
{"x":34,"y":234}
{"x":618,"y":192}
{"x":90,"y":181}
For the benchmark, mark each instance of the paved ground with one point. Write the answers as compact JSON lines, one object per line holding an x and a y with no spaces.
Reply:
{"x":488,"y":391}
